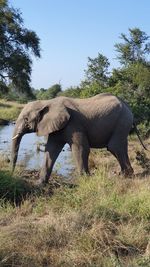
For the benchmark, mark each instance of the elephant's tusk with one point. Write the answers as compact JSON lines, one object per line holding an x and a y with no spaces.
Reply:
{"x":15,"y":136}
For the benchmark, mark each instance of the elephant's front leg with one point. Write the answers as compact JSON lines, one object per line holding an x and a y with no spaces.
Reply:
{"x":52,"y":150}
{"x":80,"y":151}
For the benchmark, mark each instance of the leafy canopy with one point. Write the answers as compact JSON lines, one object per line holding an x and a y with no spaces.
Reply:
{"x":49,"y":93}
{"x":97,"y":70}
{"x":131,"y":81}
{"x":16,"y":46}
{"x":135,"y":47}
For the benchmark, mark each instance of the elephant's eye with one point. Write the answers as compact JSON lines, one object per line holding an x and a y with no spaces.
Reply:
{"x":26,"y":121}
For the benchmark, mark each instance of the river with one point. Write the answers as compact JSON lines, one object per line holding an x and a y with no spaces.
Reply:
{"x":30,"y":156}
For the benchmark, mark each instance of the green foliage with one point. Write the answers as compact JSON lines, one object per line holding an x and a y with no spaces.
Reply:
{"x":16,"y":45}
{"x":97,"y":70}
{"x":132,"y":84}
{"x":143,"y":262}
{"x":91,"y":90}
{"x":143,"y":160}
{"x":134,"y":48}
{"x":12,"y":189}
{"x":72,"y":92}
{"x":21,"y":98}
{"x":132,"y":81}
{"x":49,"y":93}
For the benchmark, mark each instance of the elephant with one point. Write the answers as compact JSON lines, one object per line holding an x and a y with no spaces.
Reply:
{"x":101,"y":121}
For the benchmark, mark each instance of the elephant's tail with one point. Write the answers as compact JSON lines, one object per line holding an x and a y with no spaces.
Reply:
{"x":138,"y":135}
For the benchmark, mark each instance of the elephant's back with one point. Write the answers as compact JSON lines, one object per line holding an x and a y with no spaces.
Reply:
{"x":99,"y":106}
{"x":100,"y":117}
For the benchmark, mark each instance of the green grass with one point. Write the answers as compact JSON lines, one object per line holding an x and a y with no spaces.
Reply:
{"x":9,"y":110}
{"x":101,"y":221}
{"x":12,"y":189}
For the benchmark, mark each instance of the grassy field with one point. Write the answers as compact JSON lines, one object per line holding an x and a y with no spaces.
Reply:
{"x":9,"y":110}
{"x":97,"y":221}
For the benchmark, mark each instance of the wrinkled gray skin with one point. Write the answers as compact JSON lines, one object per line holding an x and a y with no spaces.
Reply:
{"x":97,"y":122}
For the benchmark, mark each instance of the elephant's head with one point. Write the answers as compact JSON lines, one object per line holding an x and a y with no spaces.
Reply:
{"x":42,"y":117}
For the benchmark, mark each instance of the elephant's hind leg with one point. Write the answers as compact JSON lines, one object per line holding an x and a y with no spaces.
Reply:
{"x":119,"y":148}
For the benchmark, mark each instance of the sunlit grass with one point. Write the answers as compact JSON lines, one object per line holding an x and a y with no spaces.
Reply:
{"x":9,"y":110}
{"x":101,"y":221}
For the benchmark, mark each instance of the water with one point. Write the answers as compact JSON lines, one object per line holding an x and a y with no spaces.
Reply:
{"x":29,"y":156}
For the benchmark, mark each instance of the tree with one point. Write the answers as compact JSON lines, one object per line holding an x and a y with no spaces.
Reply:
{"x":49,"y":93}
{"x":132,"y":83}
{"x":16,"y":45}
{"x":53,"y":91}
{"x":134,"y":48}
{"x":72,"y":91}
{"x":132,"y":80}
{"x":97,"y":70}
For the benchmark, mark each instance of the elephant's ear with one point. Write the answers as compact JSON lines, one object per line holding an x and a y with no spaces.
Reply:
{"x":52,"y":118}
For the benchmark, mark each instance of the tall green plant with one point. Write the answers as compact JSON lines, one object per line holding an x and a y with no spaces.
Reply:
{"x":17,"y":43}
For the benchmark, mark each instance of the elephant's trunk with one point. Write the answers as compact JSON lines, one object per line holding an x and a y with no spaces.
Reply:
{"x":16,"y":139}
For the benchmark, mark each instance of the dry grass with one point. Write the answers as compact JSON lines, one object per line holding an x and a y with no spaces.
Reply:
{"x":9,"y":110}
{"x":104,"y":221}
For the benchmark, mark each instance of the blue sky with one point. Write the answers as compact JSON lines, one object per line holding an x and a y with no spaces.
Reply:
{"x":73,"y":30}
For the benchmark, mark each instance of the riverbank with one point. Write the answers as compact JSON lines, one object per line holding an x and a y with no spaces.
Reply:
{"x":101,"y":221}
{"x":9,"y":111}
